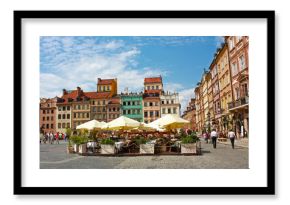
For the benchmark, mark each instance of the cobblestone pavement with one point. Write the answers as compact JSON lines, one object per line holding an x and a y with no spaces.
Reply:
{"x":223,"y":157}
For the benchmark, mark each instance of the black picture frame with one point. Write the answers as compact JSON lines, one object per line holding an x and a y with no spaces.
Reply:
{"x":268,"y":190}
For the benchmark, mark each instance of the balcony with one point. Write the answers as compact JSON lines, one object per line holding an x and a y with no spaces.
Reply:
{"x":240,"y":102}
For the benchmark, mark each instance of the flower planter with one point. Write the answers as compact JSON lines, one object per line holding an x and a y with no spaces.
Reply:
{"x":76,"y":148}
{"x":188,"y":148}
{"x":146,"y":148}
{"x":107,"y":149}
{"x":83,"y":148}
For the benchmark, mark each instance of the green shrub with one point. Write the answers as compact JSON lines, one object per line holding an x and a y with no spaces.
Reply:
{"x":107,"y":141}
{"x":190,"y":138}
{"x":78,"y":140}
{"x":140,"y":140}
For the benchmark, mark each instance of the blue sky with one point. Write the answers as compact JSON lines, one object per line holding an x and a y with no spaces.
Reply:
{"x":69,"y":61}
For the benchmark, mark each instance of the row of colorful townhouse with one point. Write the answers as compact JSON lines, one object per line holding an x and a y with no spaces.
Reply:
{"x":76,"y":106}
{"x":222,"y":96}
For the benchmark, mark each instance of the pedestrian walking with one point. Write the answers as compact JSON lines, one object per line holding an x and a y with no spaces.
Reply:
{"x":64,"y":136}
{"x":41,"y":137}
{"x":213,"y":136}
{"x":47,"y":136}
{"x":232,"y":136}
{"x":51,"y":138}
{"x":57,"y":135}
{"x":205,"y":137}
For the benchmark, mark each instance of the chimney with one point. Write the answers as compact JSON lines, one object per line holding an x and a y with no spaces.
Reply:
{"x":64,"y":92}
{"x":79,"y":91}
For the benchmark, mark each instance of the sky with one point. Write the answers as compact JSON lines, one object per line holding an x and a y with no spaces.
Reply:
{"x":71,"y":61}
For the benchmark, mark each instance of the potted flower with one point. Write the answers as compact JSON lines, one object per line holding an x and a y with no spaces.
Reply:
{"x":189,"y":144}
{"x":145,"y":146}
{"x":107,"y":146}
{"x":83,"y":144}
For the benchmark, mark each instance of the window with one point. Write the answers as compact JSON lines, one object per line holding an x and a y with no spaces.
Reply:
{"x":152,"y":87}
{"x":108,"y":88}
{"x":242,"y":62}
{"x":163,"y":110}
{"x":169,"y":110}
{"x":88,"y":115}
{"x":172,"y":101}
{"x":145,"y":114}
{"x":148,"y":87}
{"x":68,"y":116}
{"x":47,"y":126}
{"x":59,"y":108}
{"x":231,"y":43}
{"x":43,"y":118}
{"x":83,"y":115}
{"x":145,"y":104}
{"x":51,"y":126}
{"x":51,"y":118}
{"x":129,"y":112}
{"x":104,"y":116}
{"x":75,"y":115}
{"x":124,"y":112}
{"x":99,"y":103}
{"x":151,"y":104}
{"x":63,"y":116}
{"x":59,"y":125}
{"x":68,"y":107}
{"x":174,"y":110}
{"x":157,"y":87}
{"x":234,"y":69}
{"x":79,"y":107}
{"x":47,"y":111}
{"x":99,"y":109}
{"x":151,"y":113}
{"x":124,"y":103}
{"x":48,"y":105}
{"x":63,"y":125}
{"x":129,"y":103}
{"x":138,"y":111}
{"x":43,"y":111}
{"x":157,"y":113}
{"x":93,"y":102}
{"x":63,"y":108}
{"x":114,"y":109}
{"x":133,"y":103}
{"x":52,"y":111}
{"x":47,"y":118}
{"x":67,"y":125}
{"x":104,"y":102}
{"x":94,"y":109}
{"x":138,"y":102}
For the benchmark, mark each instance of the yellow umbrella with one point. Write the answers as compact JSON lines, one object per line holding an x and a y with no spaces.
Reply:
{"x":121,"y":123}
{"x":171,"y":121}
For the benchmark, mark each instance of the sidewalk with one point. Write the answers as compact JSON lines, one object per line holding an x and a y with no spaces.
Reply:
{"x":239,"y":143}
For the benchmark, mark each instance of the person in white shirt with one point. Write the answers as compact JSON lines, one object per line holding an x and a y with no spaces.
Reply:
{"x":232,"y":136}
{"x":213,"y":136}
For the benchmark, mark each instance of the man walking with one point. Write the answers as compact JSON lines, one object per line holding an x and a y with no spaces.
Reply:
{"x":232,"y":137}
{"x":213,"y":136}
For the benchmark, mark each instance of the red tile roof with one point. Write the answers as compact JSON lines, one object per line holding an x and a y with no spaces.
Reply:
{"x":153,"y":80}
{"x":105,"y":81}
{"x":114,"y":101}
{"x":97,"y":95}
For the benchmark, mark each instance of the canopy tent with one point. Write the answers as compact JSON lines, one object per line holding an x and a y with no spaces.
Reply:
{"x":169,"y":122}
{"x":156,"y":125}
{"x":121,"y":123}
{"x":90,"y":125}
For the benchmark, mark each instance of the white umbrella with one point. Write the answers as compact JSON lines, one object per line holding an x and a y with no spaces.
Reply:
{"x":121,"y":123}
{"x":90,"y":125}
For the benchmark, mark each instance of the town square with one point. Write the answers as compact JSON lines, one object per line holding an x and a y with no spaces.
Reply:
{"x":99,"y":110}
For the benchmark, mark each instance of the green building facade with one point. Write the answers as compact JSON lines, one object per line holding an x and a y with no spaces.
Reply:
{"x":131,"y":106}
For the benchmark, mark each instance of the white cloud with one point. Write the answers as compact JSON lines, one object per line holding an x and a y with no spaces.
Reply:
{"x":184,"y":97}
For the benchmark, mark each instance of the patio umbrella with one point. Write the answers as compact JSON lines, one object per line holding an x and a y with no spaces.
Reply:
{"x":171,"y":121}
{"x":90,"y":125}
{"x":156,"y":125}
{"x":121,"y":123}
